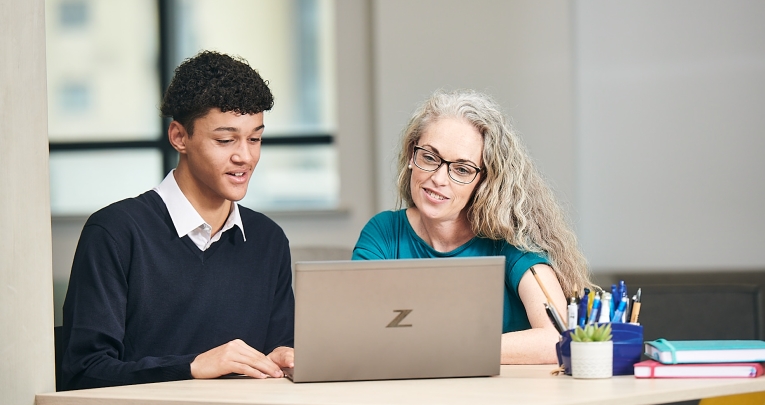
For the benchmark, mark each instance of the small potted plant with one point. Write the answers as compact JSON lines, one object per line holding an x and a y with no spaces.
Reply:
{"x":592,"y":351}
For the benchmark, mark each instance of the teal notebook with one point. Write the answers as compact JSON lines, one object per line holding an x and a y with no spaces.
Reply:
{"x":705,"y":351}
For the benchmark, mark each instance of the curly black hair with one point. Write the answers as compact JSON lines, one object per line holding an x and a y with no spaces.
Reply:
{"x":214,"y":80}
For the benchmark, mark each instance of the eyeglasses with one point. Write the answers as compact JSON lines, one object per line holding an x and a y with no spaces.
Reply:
{"x":429,"y":161}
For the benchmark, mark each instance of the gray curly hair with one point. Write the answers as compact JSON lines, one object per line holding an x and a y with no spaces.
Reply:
{"x":512,"y":202}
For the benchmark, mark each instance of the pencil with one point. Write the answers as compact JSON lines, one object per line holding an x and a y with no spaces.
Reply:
{"x":547,"y":295}
{"x":636,"y":308}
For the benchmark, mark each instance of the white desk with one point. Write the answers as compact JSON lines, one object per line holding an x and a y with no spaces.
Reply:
{"x":516,"y":385}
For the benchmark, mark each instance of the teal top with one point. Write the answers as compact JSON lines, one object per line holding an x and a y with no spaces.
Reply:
{"x":389,"y":235}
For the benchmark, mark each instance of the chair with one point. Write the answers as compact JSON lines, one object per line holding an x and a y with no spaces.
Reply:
{"x":58,"y":353}
{"x":704,"y":311}
{"x":319,"y":253}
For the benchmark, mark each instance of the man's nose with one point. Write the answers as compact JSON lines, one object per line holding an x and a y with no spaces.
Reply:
{"x":243,"y":154}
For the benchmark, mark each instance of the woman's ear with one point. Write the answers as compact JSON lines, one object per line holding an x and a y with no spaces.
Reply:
{"x":177,"y":136}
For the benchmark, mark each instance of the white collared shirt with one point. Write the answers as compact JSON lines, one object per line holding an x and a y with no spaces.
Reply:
{"x":187,"y":220}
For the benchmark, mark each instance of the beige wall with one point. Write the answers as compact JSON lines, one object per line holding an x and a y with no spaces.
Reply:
{"x":26,"y":302}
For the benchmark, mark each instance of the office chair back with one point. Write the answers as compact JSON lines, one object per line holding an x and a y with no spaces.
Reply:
{"x":58,"y":353}
{"x":702,"y":311}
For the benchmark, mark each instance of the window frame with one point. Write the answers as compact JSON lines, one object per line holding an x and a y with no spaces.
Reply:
{"x":166,"y":49}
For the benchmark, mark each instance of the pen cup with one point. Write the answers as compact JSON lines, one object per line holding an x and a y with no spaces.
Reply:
{"x":627,"y":348}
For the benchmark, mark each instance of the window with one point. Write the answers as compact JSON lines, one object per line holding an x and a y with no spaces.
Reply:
{"x":109,"y":63}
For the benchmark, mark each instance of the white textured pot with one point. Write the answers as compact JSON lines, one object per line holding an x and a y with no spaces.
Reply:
{"x":592,"y":359}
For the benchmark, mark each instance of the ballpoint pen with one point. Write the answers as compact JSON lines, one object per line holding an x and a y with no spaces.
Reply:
{"x":630,"y":308}
{"x":583,"y":308}
{"x":619,"y":313}
{"x":595,"y":309}
{"x":622,"y":293}
{"x":605,"y":308}
{"x":555,"y":318}
{"x":573,"y":313}
{"x":622,"y":289}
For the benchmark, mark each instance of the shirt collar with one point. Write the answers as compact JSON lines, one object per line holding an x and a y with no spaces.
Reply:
{"x":185,"y":217}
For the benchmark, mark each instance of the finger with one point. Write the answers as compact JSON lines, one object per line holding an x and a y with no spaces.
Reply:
{"x":260,"y":362}
{"x":283,"y":356}
{"x":238,"y":357}
{"x":245,"y":369}
{"x":267,"y":366}
{"x":289,"y":358}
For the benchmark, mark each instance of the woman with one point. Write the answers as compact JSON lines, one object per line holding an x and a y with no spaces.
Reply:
{"x":470,"y":189}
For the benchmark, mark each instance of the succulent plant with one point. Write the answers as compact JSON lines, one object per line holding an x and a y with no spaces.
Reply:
{"x":592,"y":333}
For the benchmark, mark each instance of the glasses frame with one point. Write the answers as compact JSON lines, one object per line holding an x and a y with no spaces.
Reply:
{"x":448,"y":165}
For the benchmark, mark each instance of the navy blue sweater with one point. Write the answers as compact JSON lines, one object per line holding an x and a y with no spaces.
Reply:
{"x":142,"y":303}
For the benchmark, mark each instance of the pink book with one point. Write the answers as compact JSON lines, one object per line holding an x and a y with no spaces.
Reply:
{"x":654,"y":369}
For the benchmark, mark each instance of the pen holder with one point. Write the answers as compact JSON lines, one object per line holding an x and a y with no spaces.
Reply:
{"x":628,"y":347}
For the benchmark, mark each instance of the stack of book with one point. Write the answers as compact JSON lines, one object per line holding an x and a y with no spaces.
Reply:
{"x":702,"y":359}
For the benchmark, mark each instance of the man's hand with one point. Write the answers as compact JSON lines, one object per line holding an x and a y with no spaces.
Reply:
{"x":237,"y":357}
{"x":283,"y":356}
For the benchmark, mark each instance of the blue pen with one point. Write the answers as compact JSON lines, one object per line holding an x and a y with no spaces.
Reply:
{"x":626,"y":294}
{"x":620,"y":310}
{"x":595,"y":309}
{"x":622,"y":288}
{"x":614,"y":300}
{"x":583,"y":308}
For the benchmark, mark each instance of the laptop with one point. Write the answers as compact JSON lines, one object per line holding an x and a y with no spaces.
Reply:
{"x":398,"y":319}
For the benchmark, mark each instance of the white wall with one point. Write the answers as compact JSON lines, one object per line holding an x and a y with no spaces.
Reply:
{"x":671,"y":133}
{"x":26,"y":302}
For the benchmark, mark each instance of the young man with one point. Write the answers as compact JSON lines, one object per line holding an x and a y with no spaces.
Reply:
{"x":181,"y":282}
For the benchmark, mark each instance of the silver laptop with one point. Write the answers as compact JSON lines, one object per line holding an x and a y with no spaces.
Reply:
{"x":397,"y":319}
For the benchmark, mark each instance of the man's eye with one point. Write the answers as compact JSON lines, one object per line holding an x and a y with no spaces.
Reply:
{"x":224,"y":141}
{"x":254,"y":140}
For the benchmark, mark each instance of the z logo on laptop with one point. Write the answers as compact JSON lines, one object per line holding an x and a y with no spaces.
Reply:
{"x":396,"y":322}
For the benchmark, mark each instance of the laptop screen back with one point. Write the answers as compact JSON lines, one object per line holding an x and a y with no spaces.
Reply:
{"x":396,"y":319}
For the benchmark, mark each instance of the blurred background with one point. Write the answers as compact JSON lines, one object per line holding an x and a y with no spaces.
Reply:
{"x":647,"y":117}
